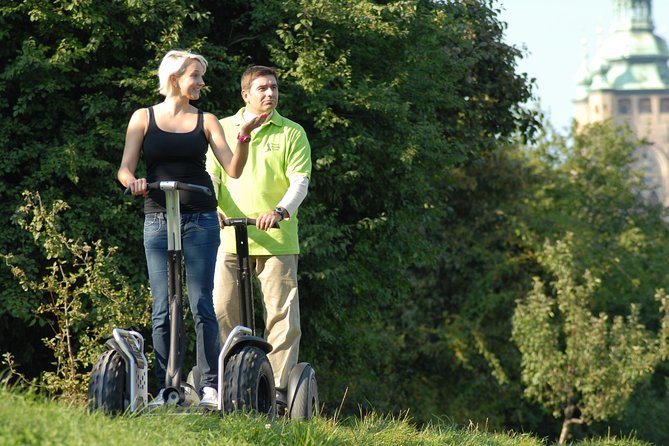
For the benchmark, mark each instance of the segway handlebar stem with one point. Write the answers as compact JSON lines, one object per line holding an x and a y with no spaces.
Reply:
{"x":174,"y":393}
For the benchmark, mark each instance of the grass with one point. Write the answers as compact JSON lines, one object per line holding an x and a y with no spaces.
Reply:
{"x":28,"y":419}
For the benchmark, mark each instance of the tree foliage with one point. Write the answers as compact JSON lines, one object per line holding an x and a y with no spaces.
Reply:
{"x":392,"y":94}
{"x":581,"y":366}
{"x":427,"y":212}
{"x":505,"y":205}
{"x":72,"y":74}
{"x":385,"y":132}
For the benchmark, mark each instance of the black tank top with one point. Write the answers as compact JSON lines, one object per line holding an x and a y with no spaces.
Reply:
{"x":179,"y":157}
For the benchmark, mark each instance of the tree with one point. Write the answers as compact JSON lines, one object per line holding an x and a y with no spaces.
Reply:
{"x":385,"y":133}
{"x":504,"y":205}
{"x":578,"y":365}
{"x":395,"y":97}
{"x":586,"y":184}
{"x":72,"y":74}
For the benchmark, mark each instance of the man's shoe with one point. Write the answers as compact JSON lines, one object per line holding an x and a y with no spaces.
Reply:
{"x":209,"y":398}
{"x":158,"y":401}
{"x":281,"y":409}
{"x":281,"y":403}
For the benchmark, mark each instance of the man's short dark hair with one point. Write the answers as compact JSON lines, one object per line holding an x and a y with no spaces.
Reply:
{"x":254,"y":72}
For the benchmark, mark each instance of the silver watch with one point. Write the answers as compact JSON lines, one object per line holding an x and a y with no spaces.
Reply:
{"x":281,"y":211}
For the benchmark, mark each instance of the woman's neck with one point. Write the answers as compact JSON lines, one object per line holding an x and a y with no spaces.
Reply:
{"x":175,"y":105}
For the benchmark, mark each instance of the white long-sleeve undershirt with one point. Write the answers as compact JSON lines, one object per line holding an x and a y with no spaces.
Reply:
{"x":294,"y":196}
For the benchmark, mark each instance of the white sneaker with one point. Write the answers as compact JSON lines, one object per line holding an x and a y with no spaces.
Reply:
{"x":209,"y":398}
{"x":158,"y":400}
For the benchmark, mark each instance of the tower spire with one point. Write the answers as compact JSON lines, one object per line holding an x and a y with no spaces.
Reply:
{"x":632,"y":15}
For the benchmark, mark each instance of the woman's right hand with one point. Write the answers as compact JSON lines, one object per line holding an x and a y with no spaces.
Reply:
{"x":138,"y":187}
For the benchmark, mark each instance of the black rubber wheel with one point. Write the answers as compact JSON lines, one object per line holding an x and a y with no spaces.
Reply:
{"x":249,"y":382}
{"x":305,"y":401}
{"x":107,"y":386}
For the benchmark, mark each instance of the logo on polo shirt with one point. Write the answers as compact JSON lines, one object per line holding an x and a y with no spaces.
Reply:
{"x":272,"y":146}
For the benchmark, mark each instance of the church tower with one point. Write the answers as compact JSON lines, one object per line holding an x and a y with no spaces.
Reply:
{"x":627,"y":80}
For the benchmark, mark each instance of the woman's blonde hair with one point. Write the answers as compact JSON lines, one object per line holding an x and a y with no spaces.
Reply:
{"x":175,"y":62}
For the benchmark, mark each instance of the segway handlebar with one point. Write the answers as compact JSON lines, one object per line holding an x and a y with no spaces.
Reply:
{"x":175,"y":185}
{"x":240,"y":221}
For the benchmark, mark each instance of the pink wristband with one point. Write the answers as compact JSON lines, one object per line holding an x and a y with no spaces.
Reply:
{"x":243,"y":138}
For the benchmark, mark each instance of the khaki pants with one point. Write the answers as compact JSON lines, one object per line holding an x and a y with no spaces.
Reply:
{"x":278,"y":282}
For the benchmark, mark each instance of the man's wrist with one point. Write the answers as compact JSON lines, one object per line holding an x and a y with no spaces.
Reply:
{"x":282,"y":212}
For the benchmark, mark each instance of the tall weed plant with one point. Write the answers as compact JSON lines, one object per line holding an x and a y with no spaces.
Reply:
{"x":78,"y":292}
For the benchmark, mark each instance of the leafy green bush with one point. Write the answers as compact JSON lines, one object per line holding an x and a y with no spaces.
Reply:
{"x":80,"y":294}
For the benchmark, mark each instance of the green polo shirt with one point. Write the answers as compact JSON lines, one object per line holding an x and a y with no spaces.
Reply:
{"x":278,"y":150}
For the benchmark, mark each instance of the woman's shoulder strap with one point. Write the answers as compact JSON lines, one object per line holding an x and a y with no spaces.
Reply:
{"x":200,"y":119}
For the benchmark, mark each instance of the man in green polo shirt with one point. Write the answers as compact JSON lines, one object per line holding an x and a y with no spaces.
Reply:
{"x":271,"y":188}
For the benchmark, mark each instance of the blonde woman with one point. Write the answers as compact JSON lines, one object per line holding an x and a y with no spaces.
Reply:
{"x":173,"y":138}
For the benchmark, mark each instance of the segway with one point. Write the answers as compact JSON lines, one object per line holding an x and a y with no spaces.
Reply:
{"x":118,"y":381}
{"x":243,"y":350}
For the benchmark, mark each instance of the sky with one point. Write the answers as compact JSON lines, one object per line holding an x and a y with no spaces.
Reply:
{"x":553,"y":32}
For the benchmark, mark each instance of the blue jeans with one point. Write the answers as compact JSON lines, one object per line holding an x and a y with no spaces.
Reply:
{"x":200,"y":237}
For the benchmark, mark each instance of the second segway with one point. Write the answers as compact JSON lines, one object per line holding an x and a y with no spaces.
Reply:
{"x":248,"y":380}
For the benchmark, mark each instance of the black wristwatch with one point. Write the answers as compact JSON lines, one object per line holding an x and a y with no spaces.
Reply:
{"x":281,"y":211}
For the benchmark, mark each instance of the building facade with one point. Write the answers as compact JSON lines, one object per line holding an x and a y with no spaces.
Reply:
{"x":627,"y":81}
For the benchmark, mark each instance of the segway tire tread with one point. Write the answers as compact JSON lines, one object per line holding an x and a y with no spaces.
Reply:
{"x":249,"y":382}
{"x":304,"y":403}
{"x":107,"y":386}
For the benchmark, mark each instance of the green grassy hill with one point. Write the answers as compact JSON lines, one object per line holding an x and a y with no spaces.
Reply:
{"x":33,"y":420}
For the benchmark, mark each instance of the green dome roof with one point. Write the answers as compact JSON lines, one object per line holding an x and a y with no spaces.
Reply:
{"x":632,"y":58}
